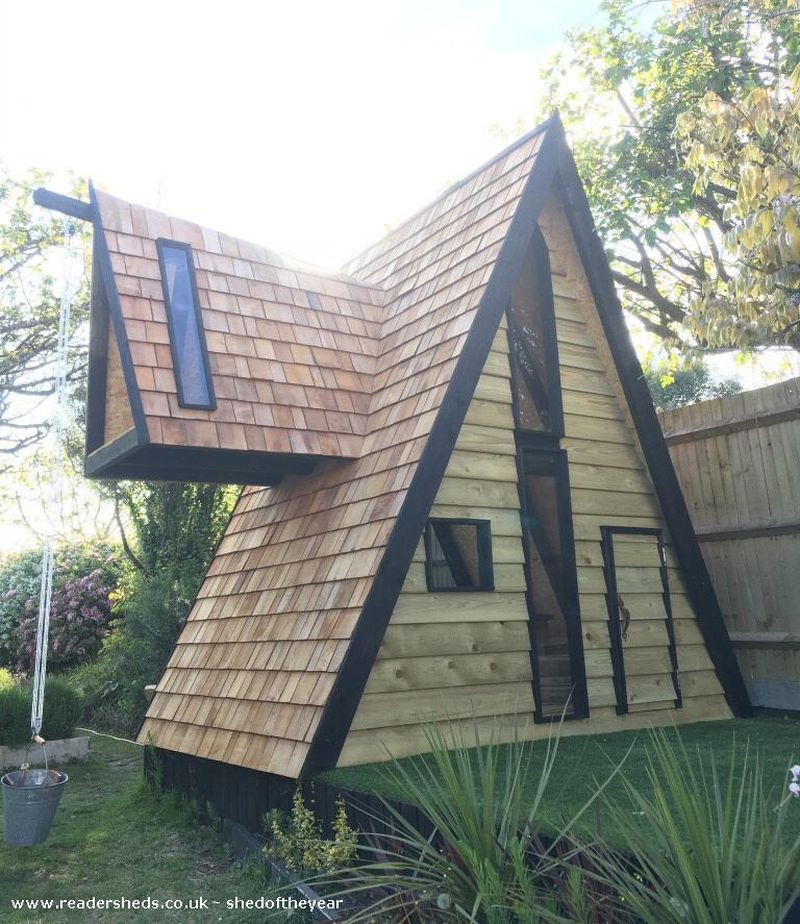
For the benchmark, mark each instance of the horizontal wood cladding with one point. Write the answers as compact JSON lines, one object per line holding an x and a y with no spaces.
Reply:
{"x":610,"y":485}
{"x":405,"y":740}
{"x":452,"y":656}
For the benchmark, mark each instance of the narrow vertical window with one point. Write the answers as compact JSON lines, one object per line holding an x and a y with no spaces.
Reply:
{"x":189,"y":354}
{"x":552,"y":584}
{"x":533,"y":350}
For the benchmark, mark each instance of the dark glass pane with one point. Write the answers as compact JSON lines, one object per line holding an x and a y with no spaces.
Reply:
{"x":548,"y":588}
{"x":532,"y":353}
{"x":187,"y":345}
{"x":454,"y":556}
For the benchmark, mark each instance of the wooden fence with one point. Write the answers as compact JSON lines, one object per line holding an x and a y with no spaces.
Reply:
{"x":738,"y":461}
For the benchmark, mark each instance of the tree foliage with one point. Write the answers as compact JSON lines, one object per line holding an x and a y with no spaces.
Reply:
{"x":676,"y":382}
{"x":751,"y":146}
{"x":31,"y":260}
{"x":667,"y":126}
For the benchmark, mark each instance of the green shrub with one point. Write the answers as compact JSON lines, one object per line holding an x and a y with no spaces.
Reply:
{"x":298,"y":843}
{"x":6,"y":679}
{"x":15,"y":715}
{"x":63,"y":705}
{"x":112,"y":686}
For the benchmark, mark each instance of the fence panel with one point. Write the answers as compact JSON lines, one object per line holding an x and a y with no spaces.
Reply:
{"x":738,"y":462}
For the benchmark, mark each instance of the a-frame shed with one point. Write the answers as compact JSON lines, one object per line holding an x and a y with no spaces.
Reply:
{"x":498,"y":532}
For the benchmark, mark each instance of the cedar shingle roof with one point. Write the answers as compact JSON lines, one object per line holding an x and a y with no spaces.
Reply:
{"x":292,"y":349}
{"x":258,"y":656}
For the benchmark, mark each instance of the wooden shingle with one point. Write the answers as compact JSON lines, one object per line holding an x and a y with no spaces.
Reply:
{"x":370,"y":352}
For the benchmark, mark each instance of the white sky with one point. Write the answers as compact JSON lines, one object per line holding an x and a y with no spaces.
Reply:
{"x":305,"y":126}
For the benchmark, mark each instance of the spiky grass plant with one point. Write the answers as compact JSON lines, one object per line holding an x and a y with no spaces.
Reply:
{"x":702,"y":848}
{"x":485,"y":862}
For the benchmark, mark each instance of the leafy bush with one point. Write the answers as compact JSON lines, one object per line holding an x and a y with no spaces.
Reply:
{"x":112,"y":686}
{"x":79,"y":616}
{"x":20,"y":576}
{"x":298,"y":842}
{"x":676,"y":382}
{"x":6,"y":679}
{"x":62,"y":711}
{"x":15,"y":715}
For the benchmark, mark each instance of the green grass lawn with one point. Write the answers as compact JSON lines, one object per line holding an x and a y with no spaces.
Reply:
{"x":584,"y":761}
{"x":112,"y":837}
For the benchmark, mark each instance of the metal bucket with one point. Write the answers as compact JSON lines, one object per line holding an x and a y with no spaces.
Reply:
{"x":30,"y":800}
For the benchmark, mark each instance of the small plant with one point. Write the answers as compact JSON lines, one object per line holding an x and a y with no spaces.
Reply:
{"x":298,"y":843}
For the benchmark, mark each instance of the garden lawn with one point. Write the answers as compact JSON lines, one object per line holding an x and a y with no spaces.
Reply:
{"x":113,"y":837}
{"x":583,"y":762}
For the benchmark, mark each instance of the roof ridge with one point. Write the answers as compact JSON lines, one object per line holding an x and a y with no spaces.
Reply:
{"x":518,"y":142}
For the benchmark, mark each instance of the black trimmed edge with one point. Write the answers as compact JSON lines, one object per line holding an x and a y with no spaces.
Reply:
{"x":353,"y":672}
{"x":161,"y":462}
{"x":161,"y":244}
{"x":485,"y":561}
{"x":103,"y":257}
{"x":673,"y":506}
{"x":97,"y":373}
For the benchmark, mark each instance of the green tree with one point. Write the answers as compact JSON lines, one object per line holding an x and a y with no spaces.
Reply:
{"x":31,"y":256}
{"x":676,"y":381}
{"x":665,"y":207}
{"x":176,"y":528}
{"x":751,"y":146}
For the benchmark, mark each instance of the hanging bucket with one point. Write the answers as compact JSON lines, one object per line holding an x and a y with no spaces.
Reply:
{"x":30,"y":800}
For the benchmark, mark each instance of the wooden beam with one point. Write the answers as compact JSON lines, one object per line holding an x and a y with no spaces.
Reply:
{"x":765,"y":639}
{"x":756,"y":421}
{"x":787,"y":527}
{"x":57,"y":202}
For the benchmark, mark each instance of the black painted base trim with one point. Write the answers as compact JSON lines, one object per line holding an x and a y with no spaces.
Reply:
{"x":127,"y":458}
{"x":245,"y":796}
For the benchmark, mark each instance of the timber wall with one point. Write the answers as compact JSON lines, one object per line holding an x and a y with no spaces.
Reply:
{"x":456,"y":657}
{"x":738,"y":461}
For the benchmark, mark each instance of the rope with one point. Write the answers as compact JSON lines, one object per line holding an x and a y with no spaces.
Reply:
{"x":55,"y":492}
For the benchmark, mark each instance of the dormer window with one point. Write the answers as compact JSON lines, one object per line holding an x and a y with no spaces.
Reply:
{"x":189,"y":353}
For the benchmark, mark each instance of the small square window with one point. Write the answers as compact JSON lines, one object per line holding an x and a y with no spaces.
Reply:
{"x":458,"y":555}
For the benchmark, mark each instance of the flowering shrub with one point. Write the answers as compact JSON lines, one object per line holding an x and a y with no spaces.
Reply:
{"x":20,"y":576}
{"x":79,"y":614}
